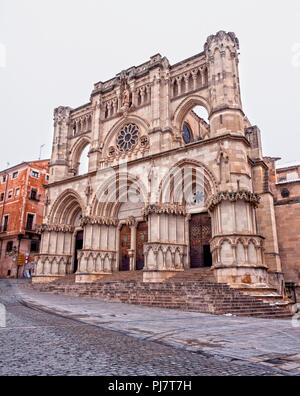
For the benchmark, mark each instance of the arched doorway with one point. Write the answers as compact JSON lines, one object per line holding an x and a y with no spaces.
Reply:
{"x":200,"y":236}
{"x":78,"y":246}
{"x":125,"y":245}
{"x":141,"y":239}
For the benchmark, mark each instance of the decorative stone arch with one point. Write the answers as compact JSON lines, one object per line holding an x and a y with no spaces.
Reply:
{"x":108,"y":205}
{"x":176,"y":172}
{"x":110,"y":137}
{"x":76,"y":152}
{"x":65,"y":207}
{"x":185,"y":107}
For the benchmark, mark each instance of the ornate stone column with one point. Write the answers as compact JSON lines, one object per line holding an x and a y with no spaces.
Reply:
{"x":97,"y":258}
{"x":54,"y":261}
{"x":166,"y":250}
{"x":237,"y":249}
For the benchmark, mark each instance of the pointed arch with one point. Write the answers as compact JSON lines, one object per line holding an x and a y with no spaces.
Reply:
{"x":114,"y":192}
{"x":186,"y":106}
{"x":66,"y":208}
{"x":77,"y":150}
{"x":171,"y":186}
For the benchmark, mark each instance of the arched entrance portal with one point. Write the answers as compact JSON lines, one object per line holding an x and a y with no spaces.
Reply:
{"x":125,"y":245}
{"x":78,"y":246}
{"x":141,"y":239}
{"x":200,"y":236}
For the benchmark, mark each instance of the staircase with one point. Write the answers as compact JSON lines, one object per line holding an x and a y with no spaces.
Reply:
{"x":193,"y":290}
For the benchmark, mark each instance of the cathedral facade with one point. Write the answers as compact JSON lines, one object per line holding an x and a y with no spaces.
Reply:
{"x":167,"y":189}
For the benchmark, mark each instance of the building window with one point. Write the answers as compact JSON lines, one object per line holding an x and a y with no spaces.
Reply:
{"x":17,"y":192}
{"x":35,"y":174}
{"x":128,"y":138}
{"x":10,"y":194}
{"x":29,"y":223}
{"x":47,"y":177}
{"x":4,"y":179}
{"x":2,"y":197}
{"x":285,"y":193}
{"x":292,"y":176}
{"x":5,"y":223}
{"x":187,"y":134}
{"x":34,"y":195}
{"x":15,"y":175}
{"x":9,"y":247}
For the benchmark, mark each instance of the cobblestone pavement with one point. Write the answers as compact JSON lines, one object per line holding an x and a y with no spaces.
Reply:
{"x":39,"y":343}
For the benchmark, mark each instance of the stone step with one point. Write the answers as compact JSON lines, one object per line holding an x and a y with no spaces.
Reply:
{"x":183,"y":292}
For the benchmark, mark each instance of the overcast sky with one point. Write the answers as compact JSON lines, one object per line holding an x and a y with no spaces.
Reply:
{"x":56,"y":50}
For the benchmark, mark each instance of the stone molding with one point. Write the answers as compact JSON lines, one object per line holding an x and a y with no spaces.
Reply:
{"x":246,"y":196}
{"x":98,"y":220}
{"x":169,"y":209}
{"x":55,"y":228}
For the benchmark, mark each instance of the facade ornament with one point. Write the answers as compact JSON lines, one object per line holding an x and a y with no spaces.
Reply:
{"x":89,"y":189}
{"x":170,"y":209}
{"x":65,"y":228}
{"x":243,"y":195}
{"x":98,"y":220}
{"x":125,"y":93}
{"x":131,"y":222}
{"x":223,"y":162}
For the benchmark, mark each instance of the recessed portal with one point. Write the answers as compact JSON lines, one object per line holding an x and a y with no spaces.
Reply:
{"x":141,"y":239}
{"x":78,"y":246}
{"x":125,"y":245}
{"x":200,"y":236}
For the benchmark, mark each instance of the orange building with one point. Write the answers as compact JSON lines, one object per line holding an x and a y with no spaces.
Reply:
{"x":22,"y":199}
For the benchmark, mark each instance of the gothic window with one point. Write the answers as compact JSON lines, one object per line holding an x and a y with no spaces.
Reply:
{"x":175,"y":89}
{"x":191,"y":83}
{"x":128,"y":138}
{"x":187,"y":133}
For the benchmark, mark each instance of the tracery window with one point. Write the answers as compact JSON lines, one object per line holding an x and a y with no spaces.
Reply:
{"x":128,"y":138}
{"x":186,"y":133}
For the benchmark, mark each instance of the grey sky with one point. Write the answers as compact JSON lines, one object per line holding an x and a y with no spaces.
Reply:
{"x":57,"y":49}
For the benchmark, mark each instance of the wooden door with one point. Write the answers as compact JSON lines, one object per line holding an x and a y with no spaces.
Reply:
{"x":141,"y":239}
{"x":125,"y":245}
{"x":200,"y":236}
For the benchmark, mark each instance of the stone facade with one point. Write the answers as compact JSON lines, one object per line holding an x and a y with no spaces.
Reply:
{"x":286,"y":189}
{"x":155,"y":167}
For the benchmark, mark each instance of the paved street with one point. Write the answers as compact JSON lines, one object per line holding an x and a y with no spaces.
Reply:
{"x":39,"y":343}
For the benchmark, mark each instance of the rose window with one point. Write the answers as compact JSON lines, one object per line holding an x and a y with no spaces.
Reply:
{"x":128,"y":138}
